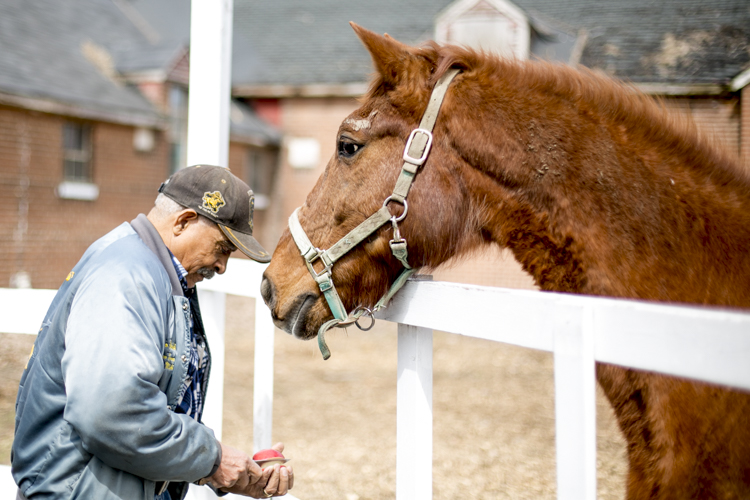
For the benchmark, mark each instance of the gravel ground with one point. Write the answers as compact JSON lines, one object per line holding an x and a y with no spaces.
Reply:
{"x":493,"y":413}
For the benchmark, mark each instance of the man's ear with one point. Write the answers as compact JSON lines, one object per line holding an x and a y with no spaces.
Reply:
{"x":183,"y":220}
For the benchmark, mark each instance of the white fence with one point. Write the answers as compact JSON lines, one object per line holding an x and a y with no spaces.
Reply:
{"x":699,"y":343}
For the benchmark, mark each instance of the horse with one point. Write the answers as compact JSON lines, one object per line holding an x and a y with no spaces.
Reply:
{"x":595,"y":188}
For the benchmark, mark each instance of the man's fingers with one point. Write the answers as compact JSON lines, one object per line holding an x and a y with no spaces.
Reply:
{"x":262,"y":480}
{"x":290,"y":473}
{"x":254,"y":472}
{"x":273,"y":482}
{"x":284,"y":478}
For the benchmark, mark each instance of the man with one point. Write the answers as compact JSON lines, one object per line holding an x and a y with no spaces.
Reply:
{"x":109,"y":405}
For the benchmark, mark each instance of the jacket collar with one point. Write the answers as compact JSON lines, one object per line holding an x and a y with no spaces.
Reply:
{"x":150,"y":236}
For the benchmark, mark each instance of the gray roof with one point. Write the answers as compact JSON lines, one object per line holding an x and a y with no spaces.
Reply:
{"x":79,"y":54}
{"x":76,"y":52}
{"x":43,"y":55}
{"x":248,"y":126}
{"x":164,"y":24}
{"x":300,"y":42}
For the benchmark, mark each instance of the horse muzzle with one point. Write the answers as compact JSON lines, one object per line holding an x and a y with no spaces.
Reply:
{"x":294,"y":320}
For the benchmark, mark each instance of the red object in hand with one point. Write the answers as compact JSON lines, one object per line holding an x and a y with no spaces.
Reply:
{"x":269,"y":458}
{"x":266,"y":454}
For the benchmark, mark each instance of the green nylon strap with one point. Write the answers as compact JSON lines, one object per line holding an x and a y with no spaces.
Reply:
{"x":324,"y":350}
{"x":418,"y":145}
{"x":436,"y":99}
{"x":325,"y":283}
{"x":358,"y":234}
{"x":395,"y":287}
{"x":399,"y":250}
{"x":403,"y":183}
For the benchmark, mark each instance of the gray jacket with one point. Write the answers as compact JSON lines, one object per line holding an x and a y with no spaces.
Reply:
{"x":94,"y":415}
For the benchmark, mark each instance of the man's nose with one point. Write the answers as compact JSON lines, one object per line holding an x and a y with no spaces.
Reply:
{"x":221,"y":264}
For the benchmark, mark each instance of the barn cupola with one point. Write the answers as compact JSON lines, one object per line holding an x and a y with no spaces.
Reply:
{"x":491,"y":25}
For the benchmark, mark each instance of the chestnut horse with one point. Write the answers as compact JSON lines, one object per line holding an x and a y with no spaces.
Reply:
{"x":592,"y":186}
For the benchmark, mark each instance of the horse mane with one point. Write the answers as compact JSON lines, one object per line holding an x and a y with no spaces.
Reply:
{"x":638,"y":115}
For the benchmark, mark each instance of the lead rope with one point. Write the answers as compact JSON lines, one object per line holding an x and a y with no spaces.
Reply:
{"x":415,"y":153}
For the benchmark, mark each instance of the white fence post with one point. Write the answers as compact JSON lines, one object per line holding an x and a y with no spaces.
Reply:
{"x":208,"y":142}
{"x":213,"y":305}
{"x":414,"y":414}
{"x":210,"y":82}
{"x":263,"y":378}
{"x":575,"y":403}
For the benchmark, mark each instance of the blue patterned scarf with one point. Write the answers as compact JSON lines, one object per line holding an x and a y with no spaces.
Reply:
{"x":192,"y":401}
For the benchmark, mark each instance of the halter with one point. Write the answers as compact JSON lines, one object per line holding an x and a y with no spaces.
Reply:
{"x":415,"y":153}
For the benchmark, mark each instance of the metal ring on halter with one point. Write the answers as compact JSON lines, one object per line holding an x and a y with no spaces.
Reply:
{"x":403,"y":214}
{"x":366,"y":312}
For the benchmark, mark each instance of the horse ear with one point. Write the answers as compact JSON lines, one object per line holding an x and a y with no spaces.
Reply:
{"x":392,"y":58}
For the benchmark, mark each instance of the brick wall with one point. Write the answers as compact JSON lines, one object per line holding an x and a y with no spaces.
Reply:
{"x":48,"y":239}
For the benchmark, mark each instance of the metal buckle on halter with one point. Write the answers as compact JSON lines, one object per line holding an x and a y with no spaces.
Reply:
{"x":311,"y":256}
{"x":421,"y":159}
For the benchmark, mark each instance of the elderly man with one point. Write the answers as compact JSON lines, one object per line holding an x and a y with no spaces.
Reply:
{"x":109,"y":405}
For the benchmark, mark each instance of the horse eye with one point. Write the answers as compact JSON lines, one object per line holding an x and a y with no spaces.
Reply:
{"x":347,"y":149}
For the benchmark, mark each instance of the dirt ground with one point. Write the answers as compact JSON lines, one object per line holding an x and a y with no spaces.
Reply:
{"x":493,"y":413}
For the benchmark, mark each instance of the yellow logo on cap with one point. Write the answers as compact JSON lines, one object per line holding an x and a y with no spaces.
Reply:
{"x":213,"y":201}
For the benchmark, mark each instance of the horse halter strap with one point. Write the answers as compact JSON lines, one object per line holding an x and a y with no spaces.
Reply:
{"x":415,"y":153}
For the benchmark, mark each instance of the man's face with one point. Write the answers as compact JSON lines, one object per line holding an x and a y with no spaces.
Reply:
{"x":205,"y":251}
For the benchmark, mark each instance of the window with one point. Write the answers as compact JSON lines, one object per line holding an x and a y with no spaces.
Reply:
{"x":77,"y":152}
{"x":78,"y":171}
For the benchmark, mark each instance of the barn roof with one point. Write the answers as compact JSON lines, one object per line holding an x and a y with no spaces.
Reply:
{"x":666,"y":42}
{"x":78,"y":55}
{"x":58,"y":54}
{"x":81,"y":57}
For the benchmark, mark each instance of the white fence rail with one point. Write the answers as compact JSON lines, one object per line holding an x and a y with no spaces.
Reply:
{"x":700,"y":343}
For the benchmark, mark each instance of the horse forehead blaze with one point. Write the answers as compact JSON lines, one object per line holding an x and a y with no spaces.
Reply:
{"x":361,"y":123}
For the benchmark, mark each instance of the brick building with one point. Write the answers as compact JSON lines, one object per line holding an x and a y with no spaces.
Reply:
{"x":93,"y":117}
{"x":93,"y":98}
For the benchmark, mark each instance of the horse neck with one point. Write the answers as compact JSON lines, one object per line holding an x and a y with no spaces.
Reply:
{"x":602,"y":202}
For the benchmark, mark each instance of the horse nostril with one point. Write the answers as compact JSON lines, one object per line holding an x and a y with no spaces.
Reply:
{"x":266,"y":291}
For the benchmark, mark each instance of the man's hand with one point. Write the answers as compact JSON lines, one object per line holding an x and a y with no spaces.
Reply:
{"x":235,"y":470}
{"x":272,"y":481}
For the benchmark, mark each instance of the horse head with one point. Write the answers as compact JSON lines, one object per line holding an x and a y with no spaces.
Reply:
{"x":359,"y":181}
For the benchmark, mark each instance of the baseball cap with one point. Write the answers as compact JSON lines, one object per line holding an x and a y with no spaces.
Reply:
{"x":223,"y":198}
